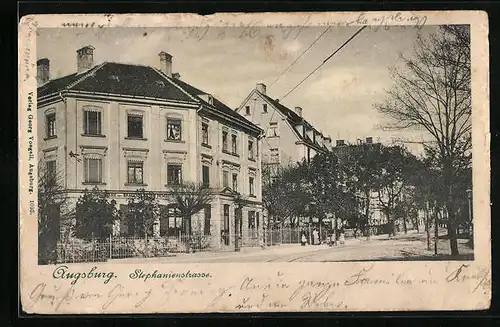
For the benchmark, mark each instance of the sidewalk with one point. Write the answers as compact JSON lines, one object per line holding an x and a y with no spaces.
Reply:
{"x":275,"y":250}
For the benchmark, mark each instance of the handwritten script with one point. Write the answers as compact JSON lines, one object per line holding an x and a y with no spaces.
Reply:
{"x":249,"y":293}
{"x":254,"y":28}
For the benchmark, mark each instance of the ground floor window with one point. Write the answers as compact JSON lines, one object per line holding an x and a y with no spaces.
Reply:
{"x":253,"y":223}
{"x":225,"y":227}
{"x":208,"y":218}
{"x":170,"y":221}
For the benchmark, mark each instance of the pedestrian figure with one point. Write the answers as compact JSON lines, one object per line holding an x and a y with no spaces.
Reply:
{"x":303,"y":239}
{"x":342,"y":237}
{"x":315,"y":237}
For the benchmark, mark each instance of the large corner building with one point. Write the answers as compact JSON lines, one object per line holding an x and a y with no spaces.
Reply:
{"x":122,"y":127}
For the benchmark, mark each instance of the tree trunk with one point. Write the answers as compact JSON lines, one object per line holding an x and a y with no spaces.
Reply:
{"x":404,"y":225}
{"x":367,"y":215}
{"x":427,"y":229}
{"x":436,"y":233}
{"x":452,"y":234}
{"x":187,"y":225}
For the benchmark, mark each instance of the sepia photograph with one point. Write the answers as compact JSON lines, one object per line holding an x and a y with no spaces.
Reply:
{"x":258,"y":144}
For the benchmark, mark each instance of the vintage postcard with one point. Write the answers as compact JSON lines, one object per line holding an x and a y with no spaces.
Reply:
{"x":268,"y":162}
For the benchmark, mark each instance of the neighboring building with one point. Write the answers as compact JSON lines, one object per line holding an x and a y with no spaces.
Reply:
{"x":289,"y":138}
{"x":122,"y":127}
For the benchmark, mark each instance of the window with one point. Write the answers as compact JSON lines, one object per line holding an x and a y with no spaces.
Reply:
{"x":264,"y":107}
{"x":224,"y":141}
{"x":204,"y":133}
{"x":225,"y":227}
{"x":275,"y":156}
{"x":208,"y":218}
{"x":206,"y":176}
{"x":251,"y":219}
{"x":174,"y":174}
{"x":170,"y":221}
{"x":250,"y":150}
{"x":235,"y":182}
{"x":251,"y":186}
{"x":93,"y":170}
{"x":247,"y":110}
{"x":174,"y":129}
{"x":134,"y":123}
{"x":234,"y":144}
{"x":273,"y":129}
{"x":225,"y":179}
{"x":135,"y":172}
{"x":92,"y":122}
{"x":51,"y":172}
{"x":51,"y":125}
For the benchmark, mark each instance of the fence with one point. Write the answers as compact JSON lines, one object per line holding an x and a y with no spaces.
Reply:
{"x":283,"y":235}
{"x":100,"y":250}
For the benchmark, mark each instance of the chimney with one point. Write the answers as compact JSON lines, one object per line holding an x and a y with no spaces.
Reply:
{"x":84,"y":58}
{"x":176,"y":75}
{"x":369,"y":140}
{"x":277,"y":100}
{"x":298,"y":111}
{"x":166,"y":63}
{"x":328,"y":142}
{"x":340,"y":143}
{"x":42,"y":71}
{"x":261,"y":87}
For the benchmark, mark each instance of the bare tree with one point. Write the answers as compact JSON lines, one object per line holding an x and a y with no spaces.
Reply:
{"x":283,"y":193}
{"x":53,"y":215}
{"x":190,"y":198}
{"x":432,"y":92}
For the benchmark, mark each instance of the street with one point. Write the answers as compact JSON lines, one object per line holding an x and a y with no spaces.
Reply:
{"x":411,"y":246}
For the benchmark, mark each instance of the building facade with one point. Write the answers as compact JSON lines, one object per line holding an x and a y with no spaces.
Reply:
{"x":288,"y":138}
{"x":122,"y":127}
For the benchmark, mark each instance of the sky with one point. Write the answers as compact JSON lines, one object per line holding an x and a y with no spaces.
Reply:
{"x":337,"y":99}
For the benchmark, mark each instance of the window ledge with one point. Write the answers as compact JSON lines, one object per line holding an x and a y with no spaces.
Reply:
{"x":252,"y":196}
{"x":226,"y":152}
{"x":175,"y":141}
{"x":93,"y":135}
{"x":136,"y":138}
{"x":252,"y":159}
{"x":50,"y":137}
{"x":135,"y":184}
{"x":206,"y":145}
{"x":93,"y":183}
{"x":235,"y":155}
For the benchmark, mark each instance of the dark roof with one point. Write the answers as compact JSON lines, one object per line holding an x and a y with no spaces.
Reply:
{"x":57,"y":85}
{"x":220,"y":106}
{"x":131,"y":80}
{"x":293,"y":118}
{"x":290,"y":114}
{"x":118,"y":79}
{"x":134,"y":80}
